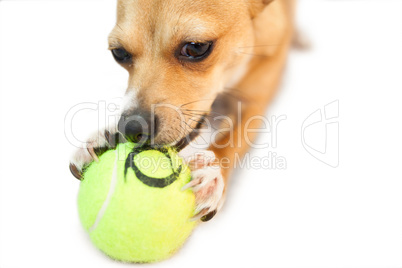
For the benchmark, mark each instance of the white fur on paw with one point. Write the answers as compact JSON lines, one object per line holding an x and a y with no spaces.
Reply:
{"x":199,"y":159}
{"x":82,"y":157}
{"x":207,"y":185}
{"x":207,"y":181}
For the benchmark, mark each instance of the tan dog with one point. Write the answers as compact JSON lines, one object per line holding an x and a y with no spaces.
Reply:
{"x":186,"y":60}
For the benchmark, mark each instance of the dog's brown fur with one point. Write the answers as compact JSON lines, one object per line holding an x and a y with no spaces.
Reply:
{"x":251,"y":43}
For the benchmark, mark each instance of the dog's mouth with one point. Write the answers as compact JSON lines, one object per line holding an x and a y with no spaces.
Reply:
{"x":143,"y":140}
{"x":186,"y":140}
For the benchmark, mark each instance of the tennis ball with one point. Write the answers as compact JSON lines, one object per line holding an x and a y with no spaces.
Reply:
{"x":132,"y":206}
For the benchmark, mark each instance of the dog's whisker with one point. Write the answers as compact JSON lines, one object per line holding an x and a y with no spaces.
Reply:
{"x":188,"y":125}
{"x":188,"y":113}
{"x":178,"y":136}
{"x":191,"y":102}
{"x":193,"y":115}
{"x":212,"y":117}
{"x":202,"y":112}
{"x":186,"y":131}
{"x":198,"y":122}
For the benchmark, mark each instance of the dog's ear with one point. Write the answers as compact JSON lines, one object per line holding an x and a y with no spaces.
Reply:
{"x":256,"y":6}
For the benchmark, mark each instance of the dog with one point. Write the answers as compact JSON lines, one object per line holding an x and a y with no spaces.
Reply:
{"x":189,"y":62}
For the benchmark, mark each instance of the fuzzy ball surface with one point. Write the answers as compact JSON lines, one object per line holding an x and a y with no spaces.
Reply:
{"x":132,"y":206}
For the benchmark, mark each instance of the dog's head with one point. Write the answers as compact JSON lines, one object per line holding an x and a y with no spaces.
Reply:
{"x":180,"y":54}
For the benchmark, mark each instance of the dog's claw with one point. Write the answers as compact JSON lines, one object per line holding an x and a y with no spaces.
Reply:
{"x":209,"y":216}
{"x":191,"y":184}
{"x":93,"y":154}
{"x":76,"y":173}
{"x":204,"y":215}
{"x":200,"y":214}
{"x":110,"y":140}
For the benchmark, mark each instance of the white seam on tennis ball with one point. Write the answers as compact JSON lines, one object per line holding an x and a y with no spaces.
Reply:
{"x":112,"y":188}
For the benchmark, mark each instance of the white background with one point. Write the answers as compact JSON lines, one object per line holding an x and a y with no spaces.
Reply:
{"x":53,"y":56}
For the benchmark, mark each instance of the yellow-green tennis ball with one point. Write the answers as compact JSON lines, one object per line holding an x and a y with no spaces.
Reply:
{"x":132,"y":206}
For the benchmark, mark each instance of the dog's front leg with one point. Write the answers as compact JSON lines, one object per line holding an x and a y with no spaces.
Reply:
{"x":207,"y":183}
{"x":211,"y":168}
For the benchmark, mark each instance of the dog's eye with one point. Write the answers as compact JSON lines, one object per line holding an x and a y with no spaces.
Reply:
{"x":121,"y":55}
{"x":195,"y":50}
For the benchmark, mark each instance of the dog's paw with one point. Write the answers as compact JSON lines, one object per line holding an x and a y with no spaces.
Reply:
{"x":97,"y":143}
{"x":207,"y":184}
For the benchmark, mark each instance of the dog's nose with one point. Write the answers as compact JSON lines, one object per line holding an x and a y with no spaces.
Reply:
{"x":138,"y":127}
